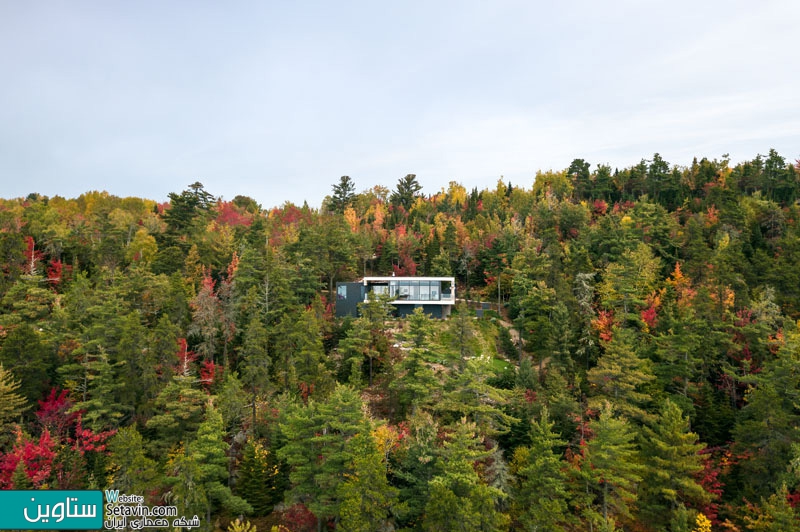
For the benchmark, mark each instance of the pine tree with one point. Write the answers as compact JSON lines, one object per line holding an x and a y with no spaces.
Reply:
{"x":415,"y":383}
{"x":462,"y":333}
{"x":256,"y":362}
{"x":366,"y":497}
{"x":208,"y":450}
{"x":614,"y":466}
{"x":467,"y":394}
{"x":459,"y":500}
{"x":419,"y":327}
{"x":181,"y":407}
{"x":259,"y":478}
{"x":130,"y":470}
{"x":540,"y":492}
{"x":343,"y":194}
{"x":671,"y":460}
{"x":620,"y":376}
{"x":316,"y":449}
{"x":775,"y":514}
{"x":12,"y":405}
{"x":355,"y":348}
{"x":406,"y":192}
{"x":770,"y":421}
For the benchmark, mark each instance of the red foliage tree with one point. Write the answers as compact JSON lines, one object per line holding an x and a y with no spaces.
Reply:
{"x":37,"y":457}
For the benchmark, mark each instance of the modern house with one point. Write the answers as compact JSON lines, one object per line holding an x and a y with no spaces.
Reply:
{"x":435,"y":295}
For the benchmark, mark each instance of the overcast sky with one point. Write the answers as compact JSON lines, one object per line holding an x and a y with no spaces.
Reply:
{"x":276,"y":100}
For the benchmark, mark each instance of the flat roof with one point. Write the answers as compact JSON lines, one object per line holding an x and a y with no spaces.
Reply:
{"x":393,"y":278}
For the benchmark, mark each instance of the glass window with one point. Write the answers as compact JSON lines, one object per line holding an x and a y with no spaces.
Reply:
{"x":435,"y":290}
{"x":393,"y":289}
{"x":446,"y":290}
{"x":414,"y":295}
{"x":424,"y":291}
{"x":341,"y":292}
{"x":380,"y":289}
{"x":404,"y":290}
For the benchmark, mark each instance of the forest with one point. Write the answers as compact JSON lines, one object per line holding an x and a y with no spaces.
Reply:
{"x":638,"y":368}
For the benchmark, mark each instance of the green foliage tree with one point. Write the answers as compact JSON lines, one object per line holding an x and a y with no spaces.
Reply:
{"x":367,"y":499}
{"x":672,"y":462}
{"x":463,"y":339}
{"x":406,"y":192}
{"x":317,"y":452}
{"x":627,"y":282}
{"x":613,"y":467}
{"x":181,"y":406}
{"x":12,"y":405}
{"x":419,"y":327}
{"x":774,"y":515}
{"x":769,"y":422}
{"x":415,"y":383}
{"x":459,"y":499}
{"x":540,"y":494}
{"x":620,"y":377}
{"x":26,"y":354}
{"x":343,"y":194}
{"x":255,"y":361}
{"x":130,"y":470}
{"x":208,"y":451}
{"x":259,"y":481}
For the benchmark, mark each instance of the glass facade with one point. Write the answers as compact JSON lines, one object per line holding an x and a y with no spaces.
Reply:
{"x":414,"y":290}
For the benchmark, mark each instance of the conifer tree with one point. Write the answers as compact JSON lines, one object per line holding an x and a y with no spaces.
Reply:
{"x":419,"y":327}
{"x":181,"y":412}
{"x":459,"y":500}
{"x":259,"y":478}
{"x":620,"y":377}
{"x":540,"y":491}
{"x":775,"y":514}
{"x":12,"y":405}
{"x":614,"y":468}
{"x":343,"y":194}
{"x":130,"y":470}
{"x":671,"y":462}
{"x":208,"y":450}
{"x":416,"y":383}
{"x":316,"y":449}
{"x":367,"y":499}
{"x":255,"y":361}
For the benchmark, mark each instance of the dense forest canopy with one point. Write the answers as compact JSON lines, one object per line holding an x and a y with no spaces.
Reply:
{"x":638,"y":369}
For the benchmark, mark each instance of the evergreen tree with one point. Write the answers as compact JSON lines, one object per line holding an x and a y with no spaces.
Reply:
{"x":181,"y":407}
{"x":367,"y":499}
{"x":613,"y":468}
{"x":259,"y":478}
{"x":620,"y":376}
{"x":468,"y":395}
{"x":775,"y":514}
{"x":416,"y":383}
{"x":770,"y":421}
{"x":672,"y":461}
{"x":208,"y":451}
{"x":463,"y":338}
{"x":343,"y":194}
{"x":316,"y":450}
{"x":406,"y":192}
{"x":27,"y":356}
{"x":12,"y":405}
{"x":419,"y":327}
{"x":130,"y":470}
{"x":459,"y":500}
{"x":255,"y":361}
{"x":540,"y":491}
